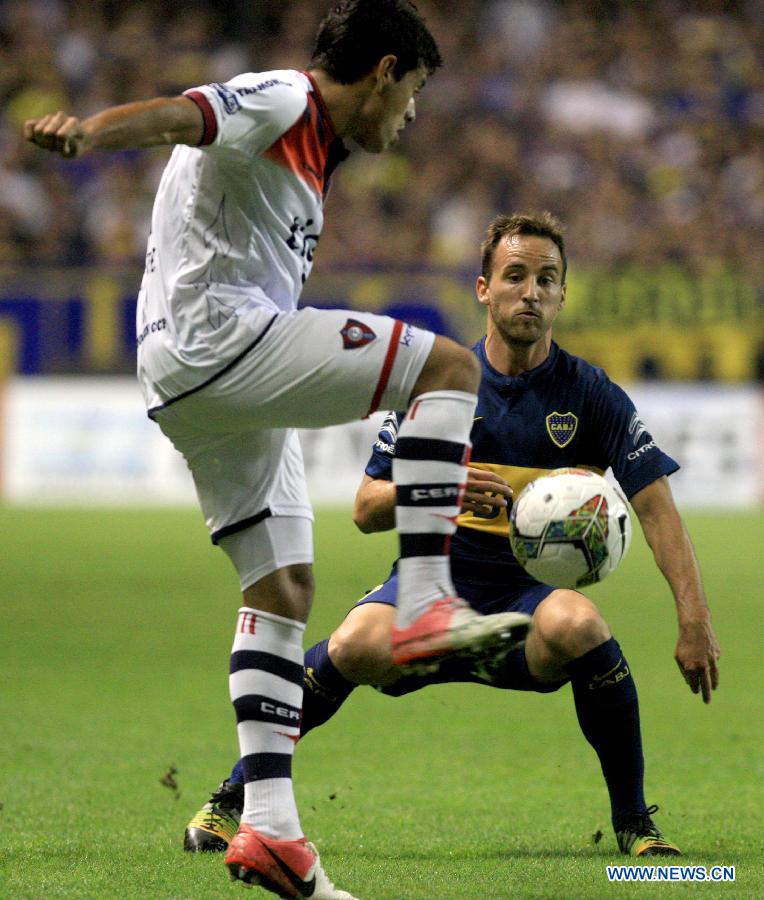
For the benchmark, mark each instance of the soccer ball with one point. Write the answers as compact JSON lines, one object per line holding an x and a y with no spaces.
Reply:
{"x":570,"y":528}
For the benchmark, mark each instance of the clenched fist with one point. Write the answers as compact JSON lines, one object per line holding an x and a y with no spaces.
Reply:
{"x":57,"y":132}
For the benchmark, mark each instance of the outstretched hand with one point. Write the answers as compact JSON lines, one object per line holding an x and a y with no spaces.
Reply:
{"x":697,"y":655}
{"x":57,"y":132}
{"x":485,"y":492}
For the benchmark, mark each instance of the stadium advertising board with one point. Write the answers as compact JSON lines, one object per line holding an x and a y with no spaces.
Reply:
{"x":89,"y":441}
{"x":637,"y":323}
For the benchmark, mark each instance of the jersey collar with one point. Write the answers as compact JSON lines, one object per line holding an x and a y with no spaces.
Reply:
{"x":322,"y":106}
{"x":500,"y":379}
{"x":337,"y":149}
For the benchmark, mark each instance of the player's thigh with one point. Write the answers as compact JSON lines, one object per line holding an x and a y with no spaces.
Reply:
{"x":319,"y":367}
{"x":449,"y":367}
{"x":366,"y":631}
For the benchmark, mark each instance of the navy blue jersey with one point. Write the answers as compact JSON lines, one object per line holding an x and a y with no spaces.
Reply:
{"x":564,"y":412}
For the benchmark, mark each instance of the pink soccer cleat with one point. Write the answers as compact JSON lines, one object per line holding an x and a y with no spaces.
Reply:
{"x":286,"y":868}
{"x":450,"y":627}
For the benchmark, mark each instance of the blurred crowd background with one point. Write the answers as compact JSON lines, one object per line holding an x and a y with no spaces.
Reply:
{"x":639,"y":124}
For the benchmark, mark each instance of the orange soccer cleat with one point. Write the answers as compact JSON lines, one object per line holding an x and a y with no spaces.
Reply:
{"x":450,"y":627}
{"x":286,"y":868}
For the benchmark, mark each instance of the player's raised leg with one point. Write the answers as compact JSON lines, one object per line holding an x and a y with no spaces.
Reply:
{"x":429,"y":470}
{"x":350,"y":365}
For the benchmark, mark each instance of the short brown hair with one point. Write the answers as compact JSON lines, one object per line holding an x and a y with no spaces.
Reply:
{"x":542,"y":225}
{"x":355,"y":34}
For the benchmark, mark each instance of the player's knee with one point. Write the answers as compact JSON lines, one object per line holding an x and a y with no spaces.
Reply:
{"x":570,"y":624}
{"x":361,"y":651}
{"x":301,"y":583}
{"x":286,"y":592}
{"x":449,"y":367}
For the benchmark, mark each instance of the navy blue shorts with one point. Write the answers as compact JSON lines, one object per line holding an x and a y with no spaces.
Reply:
{"x":512,"y":672}
{"x":523,"y":596}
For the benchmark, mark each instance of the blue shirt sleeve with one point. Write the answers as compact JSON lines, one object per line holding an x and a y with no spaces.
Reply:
{"x":627,"y":445}
{"x":380,"y":464}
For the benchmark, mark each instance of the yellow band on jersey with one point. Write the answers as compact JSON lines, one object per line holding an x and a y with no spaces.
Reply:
{"x":517,"y":477}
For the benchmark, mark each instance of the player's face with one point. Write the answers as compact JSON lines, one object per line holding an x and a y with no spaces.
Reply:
{"x":525,"y":291}
{"x":388,"y":110}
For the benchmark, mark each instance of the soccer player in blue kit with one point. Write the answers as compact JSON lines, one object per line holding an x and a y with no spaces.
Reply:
{"x":539,"y":408}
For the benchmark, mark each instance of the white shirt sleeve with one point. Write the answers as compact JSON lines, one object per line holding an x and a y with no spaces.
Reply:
{"x":247,"y":114}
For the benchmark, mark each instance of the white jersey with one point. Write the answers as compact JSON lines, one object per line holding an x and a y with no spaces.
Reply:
{"x":234,"y":226}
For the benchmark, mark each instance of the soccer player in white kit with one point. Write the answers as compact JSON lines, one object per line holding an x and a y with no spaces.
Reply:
{"x":229,"y":367}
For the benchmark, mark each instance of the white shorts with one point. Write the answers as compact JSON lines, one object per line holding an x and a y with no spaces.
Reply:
{"x":310,"y":368}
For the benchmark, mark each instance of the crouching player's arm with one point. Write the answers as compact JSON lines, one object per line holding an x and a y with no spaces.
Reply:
{"x":697,"y":651}
{"x":374,"y":508}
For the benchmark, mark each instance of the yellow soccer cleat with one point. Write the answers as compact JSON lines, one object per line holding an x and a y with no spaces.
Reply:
{"x":639,"y":836}
{"x":212,"y":829}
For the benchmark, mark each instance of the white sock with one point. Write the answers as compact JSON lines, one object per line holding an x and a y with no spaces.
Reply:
{"x":429,"y":470}
{"x":266,"y":691}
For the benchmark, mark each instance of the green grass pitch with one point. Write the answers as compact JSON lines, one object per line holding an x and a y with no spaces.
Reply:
{"x":115,"y":630}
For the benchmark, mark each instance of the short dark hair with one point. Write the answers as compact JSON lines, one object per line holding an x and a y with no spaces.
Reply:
{"x":542,"y":225}
{"x":355,"y":34}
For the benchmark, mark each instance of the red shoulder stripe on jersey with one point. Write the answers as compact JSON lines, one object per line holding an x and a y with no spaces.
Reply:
{"x":387,"y":368}
{"x":208,"y":114}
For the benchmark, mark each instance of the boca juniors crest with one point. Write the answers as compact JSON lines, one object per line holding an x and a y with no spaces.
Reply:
{"x":561,"y":427}
{"x":355,"y":334}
